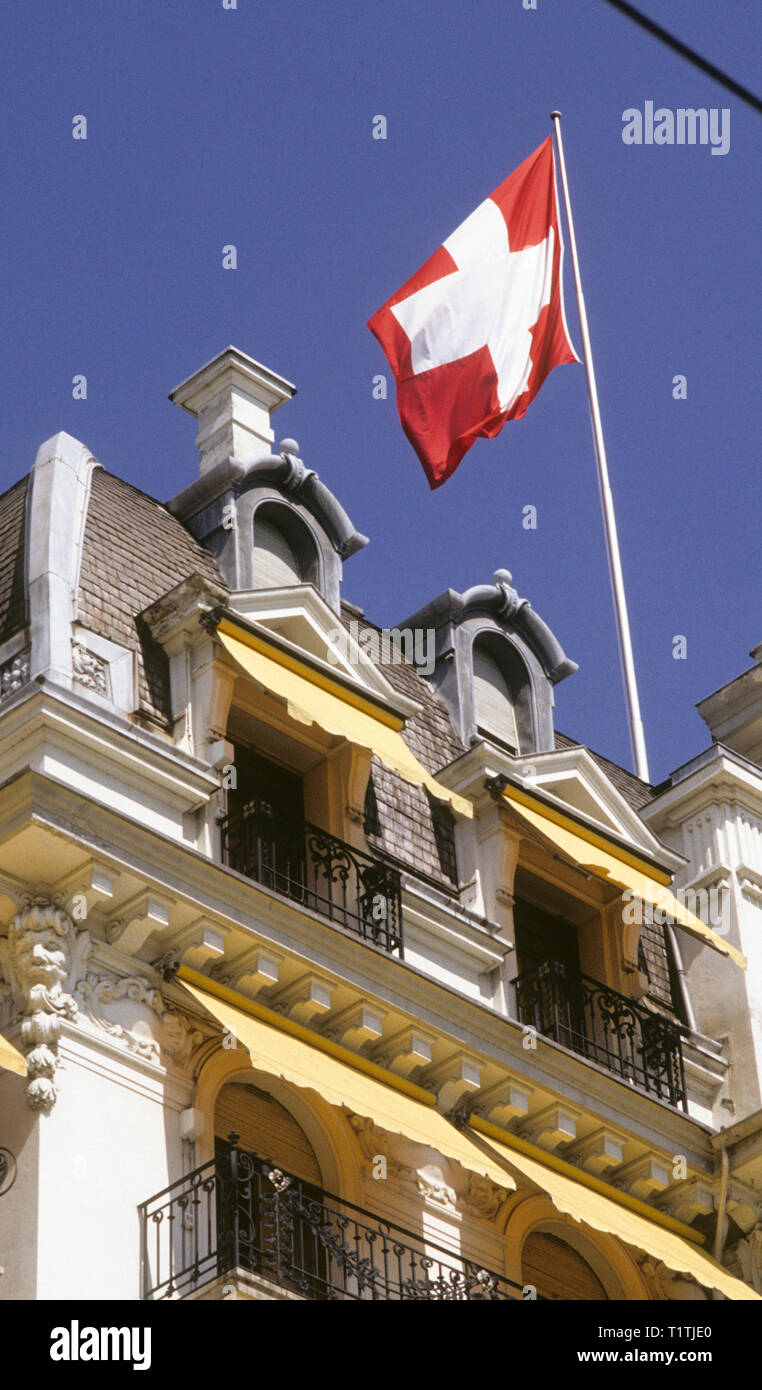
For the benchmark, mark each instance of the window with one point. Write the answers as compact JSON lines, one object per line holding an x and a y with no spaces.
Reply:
{"x":541,"y":937}
{"x":258,"y":1228}
{"x":493,"y":703}
{"x":372,"y":823}
{"x":443,"y":822}
{"x":557,"y":1270}
{"x":284,"y":551}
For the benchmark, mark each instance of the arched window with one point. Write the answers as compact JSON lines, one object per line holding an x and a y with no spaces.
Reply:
{"x":284,"y":551}
{"x":265,"y":1128}
{"x":557,"y":1270}
{"x":494,"y":711}
{"x":269,"y":1227}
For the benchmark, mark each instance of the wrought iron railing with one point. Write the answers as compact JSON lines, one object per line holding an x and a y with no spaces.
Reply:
{"x":240,"y":1212}
{"x":605,"y":1027}
{"x":302,"y":862}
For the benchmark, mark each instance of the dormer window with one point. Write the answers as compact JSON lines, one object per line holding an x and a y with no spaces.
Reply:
{"x":443,"y":825}
{"x":493,"y":702}
{"x":284,"y":551}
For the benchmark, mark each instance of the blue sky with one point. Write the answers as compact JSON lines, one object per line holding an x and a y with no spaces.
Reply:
{"x":253,"y":127}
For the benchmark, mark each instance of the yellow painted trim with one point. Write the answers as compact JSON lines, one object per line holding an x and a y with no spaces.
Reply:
{"x":593,"y":837}
{"x":306,"y":1035}
{"x":578,"y":1175}
{"x":308,"y":672}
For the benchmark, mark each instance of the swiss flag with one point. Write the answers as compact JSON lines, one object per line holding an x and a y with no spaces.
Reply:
{"x":473,"y":334}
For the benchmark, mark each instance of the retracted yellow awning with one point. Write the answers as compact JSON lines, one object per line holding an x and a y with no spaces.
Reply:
{"x":397,"y":1106}
{"x":582,"y":1203}
{"x":605,"y":859}
{"x":10,"y":1058}
{"x":314,"y":699}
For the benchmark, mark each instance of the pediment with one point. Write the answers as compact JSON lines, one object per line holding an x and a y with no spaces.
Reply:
{"x":575,"y":781}
{"x":300,"y":617}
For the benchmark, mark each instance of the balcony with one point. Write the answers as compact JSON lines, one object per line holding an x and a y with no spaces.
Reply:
{"x":301,"y":862}
{"x":239,"y":1212}
{"x":604,"y":1026}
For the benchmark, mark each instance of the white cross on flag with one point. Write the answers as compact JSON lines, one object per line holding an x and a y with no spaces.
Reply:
{"x":472,"y":336}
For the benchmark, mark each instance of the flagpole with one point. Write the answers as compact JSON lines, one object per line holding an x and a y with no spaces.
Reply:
{"x":637,"y":737}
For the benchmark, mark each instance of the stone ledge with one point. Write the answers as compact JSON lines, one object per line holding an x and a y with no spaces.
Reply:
{"x":241,"y":1285}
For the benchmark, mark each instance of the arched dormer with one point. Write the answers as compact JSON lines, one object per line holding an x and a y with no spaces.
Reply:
{"x":498,"y":685}
{"x":285,"y":551}
{"x":495,"y":664}
{"x":271,"y":523}
{"x":305,"y":531}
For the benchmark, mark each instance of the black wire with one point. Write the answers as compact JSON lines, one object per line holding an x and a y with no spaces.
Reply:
{"x":685,"y":52}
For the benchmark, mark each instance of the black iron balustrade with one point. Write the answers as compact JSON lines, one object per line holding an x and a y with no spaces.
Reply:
{"x":605,"y":1027}
{"x":240,"y":1212}
{"x":302,"y":862}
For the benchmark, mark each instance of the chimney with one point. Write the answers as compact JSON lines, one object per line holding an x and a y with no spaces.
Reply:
{"x":232,"y":397}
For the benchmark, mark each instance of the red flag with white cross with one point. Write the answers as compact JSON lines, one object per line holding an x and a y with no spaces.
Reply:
{"x":473,"y":334}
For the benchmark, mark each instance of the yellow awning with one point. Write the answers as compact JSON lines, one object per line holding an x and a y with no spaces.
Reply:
{"x":608,"y":861}
{"x":287,"y":1050}
{"x":397,"y":1106}
{"x":10,"y":1058}
{"x":336,"y":710}
{"x":584,"y":1204}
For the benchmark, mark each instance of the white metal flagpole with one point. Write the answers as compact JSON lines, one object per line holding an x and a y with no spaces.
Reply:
{"x":637,"y":737}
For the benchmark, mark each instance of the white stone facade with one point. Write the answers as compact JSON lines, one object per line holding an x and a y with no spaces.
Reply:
{"x":112,"y":872}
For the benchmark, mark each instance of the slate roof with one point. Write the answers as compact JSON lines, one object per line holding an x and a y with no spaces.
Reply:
{"x":134,"y":552}
{"x":12,"y":595}
{"x":634,"y":790}
{"x":407,"y":817}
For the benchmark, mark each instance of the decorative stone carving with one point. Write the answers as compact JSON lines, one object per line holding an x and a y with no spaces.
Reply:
{"x":42,"y":953}
{"x":483,"y":1197}
{"x":746,"y":1259}
{"x":665,"y":1284}
{"x":433,"y":1186}
{"x":436,"y":1180}
{"x":89,"y":670}
{"x":177,"y":1037}
{"x":14,"y":673}
{"x":374,"y":1142}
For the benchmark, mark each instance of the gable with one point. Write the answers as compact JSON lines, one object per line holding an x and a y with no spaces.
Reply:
{"x":575,"y":781}
{"x":299,"y":616}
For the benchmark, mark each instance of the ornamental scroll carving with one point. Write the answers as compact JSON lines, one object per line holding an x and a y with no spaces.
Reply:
{"x":89,"y":670}
{"x":745,"y":1261}
{"x":43,"y":951}
{"x":146,"y":1031}
{"x":432,"y":1176}
{"x":14,"y":673}
{"x":665,"y":1284}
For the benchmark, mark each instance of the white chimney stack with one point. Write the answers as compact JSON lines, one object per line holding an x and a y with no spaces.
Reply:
{"x":232,"y":397}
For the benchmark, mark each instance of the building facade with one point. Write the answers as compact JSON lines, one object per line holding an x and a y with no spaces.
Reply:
{"x":331,"y":969}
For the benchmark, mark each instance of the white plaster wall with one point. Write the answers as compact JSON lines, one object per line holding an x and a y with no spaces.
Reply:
{"x":18,"y":1207}
{"x":111,"y":1141}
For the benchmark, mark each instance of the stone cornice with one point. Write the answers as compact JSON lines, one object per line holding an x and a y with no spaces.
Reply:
{"x":182,"y":607}
{"x":226,"y":899}
{"x":51,"y":712}
{"x":716,"y":776}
